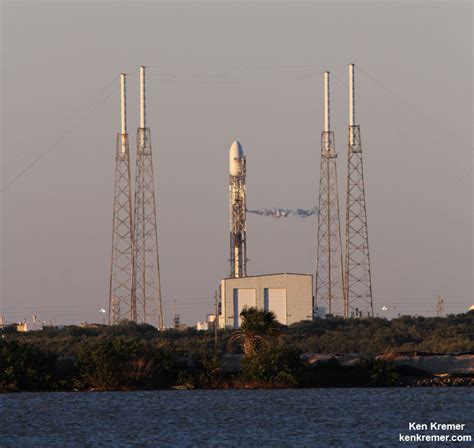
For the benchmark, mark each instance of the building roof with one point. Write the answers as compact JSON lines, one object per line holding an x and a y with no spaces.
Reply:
{"x":267,"y":275}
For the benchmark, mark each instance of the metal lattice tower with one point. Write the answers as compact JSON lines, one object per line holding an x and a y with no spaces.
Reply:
{"x":238,"y":210}
{"x":440,"y":307}
{"x":121,"y":295}
{"x":358,"y":300}
{"x":329,"y":271}
{"x":148,"y":307}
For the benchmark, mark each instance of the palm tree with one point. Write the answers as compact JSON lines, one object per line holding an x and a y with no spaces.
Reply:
{"x":257,"y":326}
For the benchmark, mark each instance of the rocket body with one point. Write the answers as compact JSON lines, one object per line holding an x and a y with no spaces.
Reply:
{"x":238,"y":211}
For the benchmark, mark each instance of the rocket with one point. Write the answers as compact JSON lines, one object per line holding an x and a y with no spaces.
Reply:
{"x":238,"y":211}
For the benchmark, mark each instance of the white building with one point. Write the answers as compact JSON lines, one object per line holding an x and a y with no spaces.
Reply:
{"x":289,"y":296}
{"x":25,"y":326}
{"x":208,"y":324}
{"x":202,"y":326}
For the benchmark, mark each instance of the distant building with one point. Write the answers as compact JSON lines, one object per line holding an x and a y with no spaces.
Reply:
{"x":211,"y":321}
{"x":208,"y":324}
{"x":289,"y":296}
{"x":25,"y":326}
{"x":201,"y":326}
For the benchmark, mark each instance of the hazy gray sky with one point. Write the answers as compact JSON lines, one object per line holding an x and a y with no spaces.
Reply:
{"x":221,"y":71}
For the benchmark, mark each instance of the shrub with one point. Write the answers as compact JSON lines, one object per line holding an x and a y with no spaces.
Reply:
{"x":24,"y":366}
{"x":380,"y":373}
{"x":275,"y":365}
{"x":208,"y":370}
{"x":118,"y":363}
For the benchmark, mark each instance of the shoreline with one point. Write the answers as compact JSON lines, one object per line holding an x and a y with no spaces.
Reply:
{"x":404,"y":383}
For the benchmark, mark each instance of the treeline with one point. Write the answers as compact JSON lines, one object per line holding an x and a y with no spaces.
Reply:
{"x":370,"y":337}
{"x":131,"y":356}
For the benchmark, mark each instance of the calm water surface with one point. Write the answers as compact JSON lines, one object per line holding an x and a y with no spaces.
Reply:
{"x":230,"y":418}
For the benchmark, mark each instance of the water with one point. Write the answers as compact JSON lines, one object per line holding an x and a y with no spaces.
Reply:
{"x":230,"y":418}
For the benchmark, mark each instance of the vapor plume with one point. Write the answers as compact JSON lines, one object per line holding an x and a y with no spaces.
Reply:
{"x":278,"y":213}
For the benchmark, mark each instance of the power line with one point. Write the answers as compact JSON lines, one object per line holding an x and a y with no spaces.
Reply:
{"x":410,"y":107}
{"x":75,"y":124}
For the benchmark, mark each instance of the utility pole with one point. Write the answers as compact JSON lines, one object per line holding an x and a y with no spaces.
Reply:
{"x":122,"y":287}
{"x":357,"y":274}
{"x":329,"y":271}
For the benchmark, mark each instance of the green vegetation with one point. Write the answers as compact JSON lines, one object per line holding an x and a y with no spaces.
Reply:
{"x":119,"y":363}
{"x":257,"y":329}
{"x":130,"y":356}
{"x":25,"y":366}
{"x":370,"y":337}
{"x":275,"y":365}
{"x":268,"y":361}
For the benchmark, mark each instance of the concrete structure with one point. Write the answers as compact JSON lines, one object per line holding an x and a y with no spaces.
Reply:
{"x":289,"y":296}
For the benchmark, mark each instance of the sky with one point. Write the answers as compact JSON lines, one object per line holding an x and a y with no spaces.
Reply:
{"x":220,"y":71}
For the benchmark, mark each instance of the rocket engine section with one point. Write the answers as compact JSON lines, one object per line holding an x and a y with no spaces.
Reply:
{"x":238,"y":209}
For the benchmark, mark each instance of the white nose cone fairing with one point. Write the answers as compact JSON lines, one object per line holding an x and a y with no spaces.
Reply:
{"x":236,"y":159}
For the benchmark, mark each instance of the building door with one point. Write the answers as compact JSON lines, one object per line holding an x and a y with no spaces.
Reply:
{"x":243,"y":298}
{"x":275,"y":300}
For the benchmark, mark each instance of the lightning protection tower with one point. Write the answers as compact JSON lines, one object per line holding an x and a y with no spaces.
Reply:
{"x":329,"y":272}
{"x":122,"y":294}
{"x":148,"y":307}
{"x":358,"y":282}
{"x":238,"y":210}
